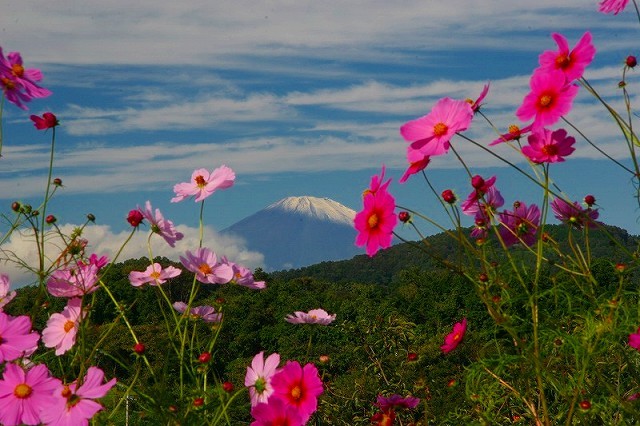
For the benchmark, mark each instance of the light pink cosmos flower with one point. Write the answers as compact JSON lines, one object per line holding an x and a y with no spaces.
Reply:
{"x":571,"y":63}
{"x":431,"y":133}
{"x":204,"y":263}
{"x":207,"y":313}
{"x":550,"y":98}
{"x":299,"y":387}
{"x":244,"y":277}
{"x":154,"y":275}
{"x":74,"y":281}
{"x":16,"y":338}
{"x":453,"y":339}
{"x":203,"y":183}
{"x":612,"y":6}
{"x":61,"y":329}
{"x":514,"y":133}
{"x":23,"y":394}
{"x":74,"y":405}
{"x":160,"y":225}
{"x":276,"y":412}
{"x":376,"y":221}
{"x":574,"y":214}
{"x":314,"y":316}
{"x":258,"y":377}
{"x":5,"y":296}
{"x":546,"y":146}
{"x":520,"y":225}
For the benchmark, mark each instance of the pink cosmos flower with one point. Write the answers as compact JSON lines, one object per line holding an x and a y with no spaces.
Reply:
{"x":546,"y":146}
{"x":550,"y":98}
{"x":160,"y":225}
{"x":18,"y":83}
{"x":275,"y":413}
{"x":417,"y":163}
{"x":74,"y":405}
{"x":376,"y":221}
{"x":634,"y":339}
{"x":154,"y":275}
{"x":514,"y":133}
{"x":16,"y":337}
{"x":520,"y":225}
{"x":204,"y":263}
{"x":61,"y":329}
{"x":314,"y":316}
{"x":431,"y":133}
{"x":612,"y":6}
{"x":571,"y":63}
{"x":385,"y":403}
{"x":5,"y":296}
{"x":574,"y":214}
{"x":475,"y":105}
{"x":299,"y":387}
{"x":203,"y":183}
{"x":484,"y":199}
{"x":47,"y":121}
{"x":207,"y":313}
{"x":259,"y":375}
{"x":23,"y":394}
{"x":453,"y":339}
{"x":74,"y":281}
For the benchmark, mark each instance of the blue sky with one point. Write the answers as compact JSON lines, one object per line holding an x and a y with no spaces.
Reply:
{"x":298,"y":97}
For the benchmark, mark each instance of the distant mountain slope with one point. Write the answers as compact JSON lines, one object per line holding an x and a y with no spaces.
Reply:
{"x":299,"y":231}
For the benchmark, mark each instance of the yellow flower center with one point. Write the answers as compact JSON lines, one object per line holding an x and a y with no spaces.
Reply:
{"x":440,"y":129}
{"x":8,"y":83}
{"x":22,"y":391}
{"x":205,"y":269}
{"x":563,"y":61}
{"x":68,"y":326}
{"x":373,"y":221}
{"x":514,"y":130}
{"x":296,"y":393}
{"x":200,"y":181}
{"x":456,"y":336}
{"x":66,"y":392}
{"x":155,"y":275}
{"x":545,"y":100}
{"x":17,"y":70}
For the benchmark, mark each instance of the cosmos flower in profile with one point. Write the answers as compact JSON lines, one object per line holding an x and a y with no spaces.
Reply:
{"x":203,"y":183}
{"x":314,"y":316}
{"x":453,"y":339}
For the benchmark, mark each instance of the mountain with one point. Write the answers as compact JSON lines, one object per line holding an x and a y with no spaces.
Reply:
{"x":299,"y":231}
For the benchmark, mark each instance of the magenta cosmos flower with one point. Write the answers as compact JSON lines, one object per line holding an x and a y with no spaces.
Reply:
{"x":160,"y":225}
{"x":206,"y":313}
{"x":550,"y":98}
{"x":612,"y":6}
{"x":314,"y":316}
{"x":276,"y":412}
{"x":634,"y":339}
{"x":47,"y":121}
{"x":514,"y":133}
{"x":546,"y":146}
{"x":204,"y":263}
{"x":386,"y":403}
{"x":74,"y":281}
{"x":571,"y":63}
{"x":453,"y":339}
{"x":431,"y":133}
{"x":258,"y":377}
{"x":376,"y":221}
{"x":203,"y":183}
{"x":18,"y":83}
{"x":520,"y":225}
{"x":23,"y":394}
{"x":154,"y":275}
{"x":417,"y":163}
{"x":574,"y":214}
{"x":16,"y":337}
{"x":475,"y":105}
{"x":61,"y":329}
{"x":5,"y":296}
{"x":74,"y":405}
{"x":299,"y":387}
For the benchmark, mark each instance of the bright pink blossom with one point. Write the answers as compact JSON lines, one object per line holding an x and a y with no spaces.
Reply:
{"x":376,"y":221}
{"x":314,"y":316}
{"x":299,"y":387}
{"x":61,"y":329}
{"x":16,"y":337}
{"x":47,"y":121}
{"x":206,"y":313}
{"x":546,"y":146}
{"x":417,"y":163}
{"x":574,"y":214}
{"x":259,"y":375}
{"x":453,"y":339}
{"x":23,"y":394}
{"x":514,"y":133}
{"x":155,"y":274}
{"x":5,"y":296}
{"x":160,"y":225}
{"x":571,"y":63}
{"x":550,"y":98}
{"x":203,"y":183}
{"x":634,"y":339}
{"x":74,"y":405}
{"x":431,"y":133}
{"x":204,"y":263}
{"x":612,"y":6}
{"x":74,"y":281}
{"x":275,"y":413}
{"x":385,"y":403}
{"x":520,"y":225}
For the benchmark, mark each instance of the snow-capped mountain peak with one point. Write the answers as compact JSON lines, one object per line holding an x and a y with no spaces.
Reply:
{"x":319,"y":208}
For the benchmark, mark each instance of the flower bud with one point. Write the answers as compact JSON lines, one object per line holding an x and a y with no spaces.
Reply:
{"x":448,"y":196}
{"x":412,"y":356}
{"x":204,"y":357}
{"x":134,"y":218}
{"x":227,"y":387}
{"x":585,"y":404}
{"x":589,"y":200}
{"x":324,"y":359}
{"x":57,"y":182}
{"x":477,"y":182}
{"x":631,"y":61}
{"x":91,"y":217}
{"x":50,"y":219}
{"x":198,"y":402}
{"x":139,"y":348}
{"x":404,"y":217}
{"x":15,"y":206}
